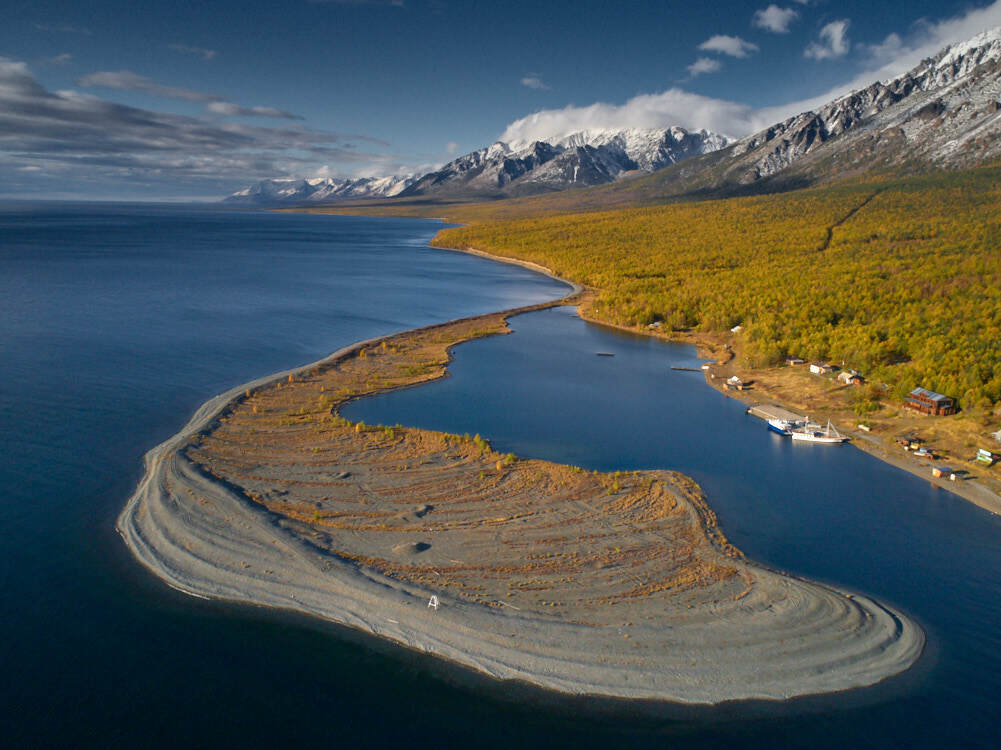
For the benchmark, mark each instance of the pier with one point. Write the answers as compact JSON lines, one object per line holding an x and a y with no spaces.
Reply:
{"x":770,"y":411}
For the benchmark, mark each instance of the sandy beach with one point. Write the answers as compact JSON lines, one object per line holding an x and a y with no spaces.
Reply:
{"x":610,"y":584}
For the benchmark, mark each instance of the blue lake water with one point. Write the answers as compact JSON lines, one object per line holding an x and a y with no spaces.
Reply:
{"x":117,"y":321}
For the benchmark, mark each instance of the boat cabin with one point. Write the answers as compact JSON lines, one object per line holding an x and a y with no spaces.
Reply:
{"x":929,"y":402}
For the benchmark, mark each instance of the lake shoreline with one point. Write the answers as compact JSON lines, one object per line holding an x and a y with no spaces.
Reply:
{"x":971,"y":490}
{"x":209,"y":536}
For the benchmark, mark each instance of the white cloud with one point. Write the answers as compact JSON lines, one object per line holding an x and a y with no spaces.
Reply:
{"x":184,"y":49}
{"x":693,"y":111}
{"x":126,"y":80}
{"x":774,"y":19}
{"x":704,"y":65}
{"x":534,"y":81}
{"x":451,"y":147}
{"x":672,"y":107}
{"x":728,"y":45}
{"x":833,"y":41}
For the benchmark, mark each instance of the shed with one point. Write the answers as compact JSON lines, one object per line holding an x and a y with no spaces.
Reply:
{"x":929,"y":402}
{"x":850,"y":377}
{"x":820,"y":368}
{"x":792,"y":361}
{"x":941,"y":471}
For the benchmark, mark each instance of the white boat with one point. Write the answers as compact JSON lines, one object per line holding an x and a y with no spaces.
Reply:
{"x":781,"y":426}
{"x":812,"y":432}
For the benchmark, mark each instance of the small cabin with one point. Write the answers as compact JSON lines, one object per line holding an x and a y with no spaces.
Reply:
{"x":850,"y":377}
{"x":941,"y":471}
{"x":734,"y":383}
{"x":793,"y":361}
{"x":821,"y":368}
{"x":986,"y":457}
{"x":929,"y":402}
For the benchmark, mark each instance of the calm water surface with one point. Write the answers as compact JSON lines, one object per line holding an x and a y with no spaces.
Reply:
{"x":116,"y":322}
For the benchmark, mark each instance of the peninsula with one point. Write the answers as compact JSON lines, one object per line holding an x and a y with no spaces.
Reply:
{"x":581,"y":582}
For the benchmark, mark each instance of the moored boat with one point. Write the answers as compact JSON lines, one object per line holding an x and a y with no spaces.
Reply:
{"x":781,"y":426}
{"x":811,"y":432}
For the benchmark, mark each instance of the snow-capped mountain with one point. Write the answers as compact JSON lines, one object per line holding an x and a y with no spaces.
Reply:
{"x":591,"y":157}
{"x":276,"y":192}
{"x":946,"y":112}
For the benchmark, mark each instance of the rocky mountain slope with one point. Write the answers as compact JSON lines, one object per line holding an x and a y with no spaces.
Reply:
{"x":945,"y":112}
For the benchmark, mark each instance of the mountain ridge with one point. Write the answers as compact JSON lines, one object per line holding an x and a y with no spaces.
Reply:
{"x":943,"y":113}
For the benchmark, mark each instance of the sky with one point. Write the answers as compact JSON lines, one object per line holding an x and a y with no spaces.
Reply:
{"x":125,"y":100}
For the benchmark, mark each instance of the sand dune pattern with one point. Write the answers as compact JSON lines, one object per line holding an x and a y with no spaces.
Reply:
{"x":614,"y":584}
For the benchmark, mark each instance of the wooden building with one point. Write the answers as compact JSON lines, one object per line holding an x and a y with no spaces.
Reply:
{"x":850,"y":377}
{"x":929,"y":402}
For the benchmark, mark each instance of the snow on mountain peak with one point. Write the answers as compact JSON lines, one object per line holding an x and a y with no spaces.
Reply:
{"x":315,"y":189}
{"x":981,"y":48}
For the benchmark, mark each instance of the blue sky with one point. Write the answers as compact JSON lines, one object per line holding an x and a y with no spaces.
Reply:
{"x":112,"y":99}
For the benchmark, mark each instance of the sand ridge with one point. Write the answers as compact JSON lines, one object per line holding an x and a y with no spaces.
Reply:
{"x":617,"y":584}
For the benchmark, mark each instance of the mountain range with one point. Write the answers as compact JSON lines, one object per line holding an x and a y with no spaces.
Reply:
{"x":945,"y":112}
{"x":583,"y":159}
{"x":327,"y":190}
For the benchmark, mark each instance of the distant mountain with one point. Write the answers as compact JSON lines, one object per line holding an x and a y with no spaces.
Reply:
{"x":583,"y":159}
{"x":278,"y":192}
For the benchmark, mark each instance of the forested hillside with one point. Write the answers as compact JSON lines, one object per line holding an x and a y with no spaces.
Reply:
{"x":900,"y":279}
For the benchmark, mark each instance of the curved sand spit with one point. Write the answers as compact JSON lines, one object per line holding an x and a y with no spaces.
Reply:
{"x":618,"y":585}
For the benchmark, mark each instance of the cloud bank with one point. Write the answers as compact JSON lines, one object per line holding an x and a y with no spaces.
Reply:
{"x":74,"y":140}
{"x":126,"y":80}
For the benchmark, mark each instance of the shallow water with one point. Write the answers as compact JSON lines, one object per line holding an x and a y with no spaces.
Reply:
{"x":116,"y":322}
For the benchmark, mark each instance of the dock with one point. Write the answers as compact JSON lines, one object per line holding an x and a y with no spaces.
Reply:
{"x":770,"y":411}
